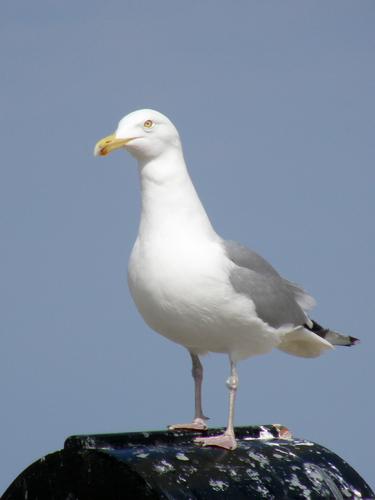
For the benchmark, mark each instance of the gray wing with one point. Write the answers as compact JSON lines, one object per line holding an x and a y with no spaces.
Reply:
{"x":277,"y":301}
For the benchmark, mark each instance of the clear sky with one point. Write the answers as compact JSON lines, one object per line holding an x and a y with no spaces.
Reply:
{"x":274,"y":102}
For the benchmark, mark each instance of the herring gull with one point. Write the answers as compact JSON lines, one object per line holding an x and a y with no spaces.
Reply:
{"x":191,"y":286}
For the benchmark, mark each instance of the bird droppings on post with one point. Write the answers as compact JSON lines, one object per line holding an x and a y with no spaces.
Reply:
{"x":260,"y":458}
{"x":266,"y":434}
{"x":169,"y":465}
{"x":163,"y":467}
{"x":218,"y":485}
{"x":263,"y":461}
{"x":295,"y":484}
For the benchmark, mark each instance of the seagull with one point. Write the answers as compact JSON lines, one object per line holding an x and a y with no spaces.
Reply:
{"x":197,"y":289}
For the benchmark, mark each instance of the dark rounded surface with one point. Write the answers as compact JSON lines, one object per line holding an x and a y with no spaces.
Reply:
{"x":78,"y":475}
{"x":169,"y":465}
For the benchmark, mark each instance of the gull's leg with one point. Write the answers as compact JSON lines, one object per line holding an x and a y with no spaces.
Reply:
{"x":198,"y":424}
{"x":226,"y":440}
{"x":197,"y":373}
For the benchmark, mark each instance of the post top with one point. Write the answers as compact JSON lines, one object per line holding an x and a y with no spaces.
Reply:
{"x":262,"y":464}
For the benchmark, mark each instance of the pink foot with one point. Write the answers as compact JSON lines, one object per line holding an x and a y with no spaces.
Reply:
{"x":198,"y":424}
{"x":227,"y":441}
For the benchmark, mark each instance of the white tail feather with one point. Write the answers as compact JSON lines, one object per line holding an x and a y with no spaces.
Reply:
{"x":301,"y":342}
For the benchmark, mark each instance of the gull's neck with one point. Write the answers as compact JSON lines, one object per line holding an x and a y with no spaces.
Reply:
{"x":170,"y":204}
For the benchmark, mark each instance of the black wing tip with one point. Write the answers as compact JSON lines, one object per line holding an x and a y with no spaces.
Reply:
{"x":322,"y":332}
{"x":353,"y":341}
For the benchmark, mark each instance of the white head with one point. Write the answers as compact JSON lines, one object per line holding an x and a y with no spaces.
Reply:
{"x":146,"y":134}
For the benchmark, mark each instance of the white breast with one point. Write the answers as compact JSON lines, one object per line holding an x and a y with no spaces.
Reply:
{"x":183,"y":292}
{"x":179,"y":273}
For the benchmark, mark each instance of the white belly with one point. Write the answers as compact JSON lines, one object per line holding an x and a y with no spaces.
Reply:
{"x":185,"y":295}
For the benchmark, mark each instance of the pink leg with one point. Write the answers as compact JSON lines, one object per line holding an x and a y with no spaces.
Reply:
{"x":226,"y":440}
{"x":199,"y":422}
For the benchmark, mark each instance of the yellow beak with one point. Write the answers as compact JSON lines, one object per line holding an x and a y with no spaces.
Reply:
{"x":109,"y":144}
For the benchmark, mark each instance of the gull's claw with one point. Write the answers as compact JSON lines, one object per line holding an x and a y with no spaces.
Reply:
{"x":198,"y":424}
{"x":226,"y":441}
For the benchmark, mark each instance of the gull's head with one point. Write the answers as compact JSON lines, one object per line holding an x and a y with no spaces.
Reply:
{"x":146,"y":134}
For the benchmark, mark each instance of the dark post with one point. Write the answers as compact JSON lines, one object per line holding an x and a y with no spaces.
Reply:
{"x":168,"y":465}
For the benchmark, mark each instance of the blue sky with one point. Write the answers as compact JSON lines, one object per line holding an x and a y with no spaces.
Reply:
{"x":274,"y":102}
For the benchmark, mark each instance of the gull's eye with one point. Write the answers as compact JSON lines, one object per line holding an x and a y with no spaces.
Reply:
{"x":148,"y":124}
